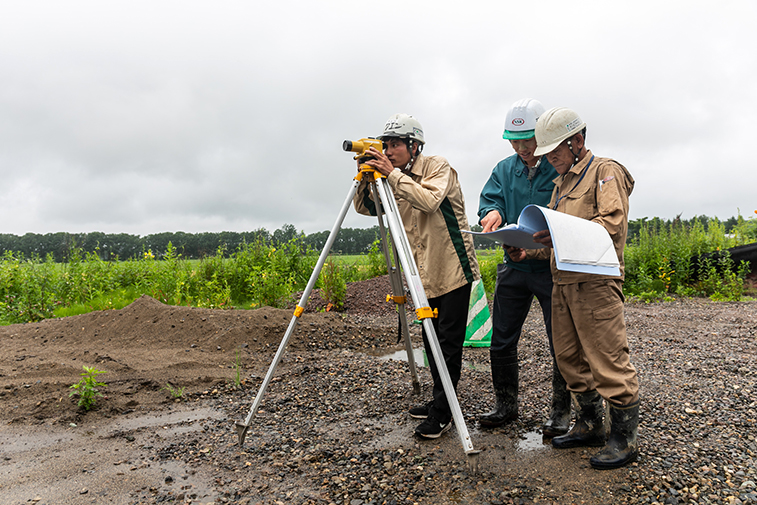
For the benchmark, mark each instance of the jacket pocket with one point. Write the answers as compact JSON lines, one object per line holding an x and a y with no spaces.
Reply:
{"x":581,"y":202}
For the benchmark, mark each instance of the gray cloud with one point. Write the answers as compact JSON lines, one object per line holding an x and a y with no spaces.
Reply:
{"x":150,"y":117}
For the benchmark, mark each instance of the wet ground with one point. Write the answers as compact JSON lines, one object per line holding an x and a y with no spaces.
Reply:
{"x":333,"y":428}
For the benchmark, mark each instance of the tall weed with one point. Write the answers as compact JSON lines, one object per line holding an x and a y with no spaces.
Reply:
{"x":376,"y":259}
{"x":664,"y":260}
{"x":27,"y":289}
{"x":273,"y":274}
{"x":334,"y":287}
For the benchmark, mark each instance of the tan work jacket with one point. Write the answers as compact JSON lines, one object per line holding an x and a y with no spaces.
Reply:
{"x":432,"y":209}
{"x":600,"y":195}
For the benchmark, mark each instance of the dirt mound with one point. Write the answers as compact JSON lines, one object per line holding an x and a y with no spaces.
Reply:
{"x":148,"y":344}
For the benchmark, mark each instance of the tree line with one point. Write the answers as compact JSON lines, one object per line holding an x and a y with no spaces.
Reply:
{"x":635,"y":225}
{"x":123,"y":246}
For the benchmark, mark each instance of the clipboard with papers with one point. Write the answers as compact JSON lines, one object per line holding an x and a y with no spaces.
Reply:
{"x":579,"y":245}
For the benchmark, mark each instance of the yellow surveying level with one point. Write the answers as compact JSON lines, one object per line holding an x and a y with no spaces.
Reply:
{"x":362,"y":147}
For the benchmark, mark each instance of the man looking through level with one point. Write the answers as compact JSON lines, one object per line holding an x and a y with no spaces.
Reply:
{"x":515,"y":182}
{"x":431,"y":205}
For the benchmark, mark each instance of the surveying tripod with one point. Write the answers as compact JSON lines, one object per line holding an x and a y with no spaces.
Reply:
{"x":402,"y":252}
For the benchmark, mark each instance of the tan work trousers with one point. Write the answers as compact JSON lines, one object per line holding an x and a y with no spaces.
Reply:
{"x":589,"y":335}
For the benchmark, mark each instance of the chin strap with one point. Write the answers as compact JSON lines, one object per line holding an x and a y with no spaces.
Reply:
{"x":575,"y":156}
{"x":410,"y":144}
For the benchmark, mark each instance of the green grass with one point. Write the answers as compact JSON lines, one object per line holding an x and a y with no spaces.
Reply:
{"x":658,"y":267}
{"x":114,"y":300}
{"x":32,"y":289}
{"x":660,"y":261}
{"x":488,"y":259}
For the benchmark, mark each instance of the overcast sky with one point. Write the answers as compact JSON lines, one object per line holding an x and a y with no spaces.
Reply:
{"x":144,"y":117}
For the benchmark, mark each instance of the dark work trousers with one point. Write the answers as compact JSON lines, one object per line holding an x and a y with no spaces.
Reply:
{"x":450,"y":332}
{"x":513,"y":294}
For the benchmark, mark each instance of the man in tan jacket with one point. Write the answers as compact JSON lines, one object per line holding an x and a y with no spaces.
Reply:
{"x":432,"y":208}
{"x":588,"y":325}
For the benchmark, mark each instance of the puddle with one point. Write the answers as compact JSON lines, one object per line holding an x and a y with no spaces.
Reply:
{"x":100,"y":461}
{"x":478,"y":367}
{"x":182,"y":418}
{"x":418,"y":354}
{"x":421,"y":361}
{"x":26,"y":439}
{"x":532,"y":441}
{"x":32,"y":439}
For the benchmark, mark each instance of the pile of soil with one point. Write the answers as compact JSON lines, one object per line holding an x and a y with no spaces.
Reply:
{"x":333,"y":428}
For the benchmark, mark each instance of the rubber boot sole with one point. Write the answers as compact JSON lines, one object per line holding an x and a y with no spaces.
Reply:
{"x":577,"y":442}
{"x":486,"y":423}
{"x":599,"y":464}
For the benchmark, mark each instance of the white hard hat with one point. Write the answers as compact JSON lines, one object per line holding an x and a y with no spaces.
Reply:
{"x":520,"y":121}
{"x":554,"y":126}
{"x":403,"y":126}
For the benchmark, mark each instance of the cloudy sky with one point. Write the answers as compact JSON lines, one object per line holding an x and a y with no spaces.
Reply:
{"x":143,"y":117}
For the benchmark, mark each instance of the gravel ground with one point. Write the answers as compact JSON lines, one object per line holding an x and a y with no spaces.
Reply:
{"x":333,"y":428}
{"x":697,"y":435}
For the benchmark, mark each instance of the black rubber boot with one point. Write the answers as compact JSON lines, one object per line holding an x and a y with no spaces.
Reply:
{"x":505,"y":383}
{"x":621,"y":447}
{"x":559,"y":416}
{"x":589,"y":430}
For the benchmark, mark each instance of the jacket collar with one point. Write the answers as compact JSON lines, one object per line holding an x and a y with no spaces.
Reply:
{"x":522,"y":169}
{"x":417,"y":167}
{"x":579,"y":167}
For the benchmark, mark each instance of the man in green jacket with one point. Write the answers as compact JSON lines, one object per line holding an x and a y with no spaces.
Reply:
{"x":515,"y":182}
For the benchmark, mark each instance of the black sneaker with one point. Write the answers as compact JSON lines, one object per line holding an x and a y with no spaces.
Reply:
{"x":420,"y":412}
{"x":432,"y":428}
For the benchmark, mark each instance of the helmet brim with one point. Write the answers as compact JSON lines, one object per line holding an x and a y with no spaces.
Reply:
{"x":514,"y":135}
{"x":542,"y":150}
{"x":390,"y":136}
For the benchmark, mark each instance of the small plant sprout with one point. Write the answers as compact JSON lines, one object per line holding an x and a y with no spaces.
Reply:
{"x":86,"y":388}
{"x":176,"y":392}
{"x":237,"y":372}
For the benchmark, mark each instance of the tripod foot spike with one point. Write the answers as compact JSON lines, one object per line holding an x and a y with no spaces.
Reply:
{"x":241,"y":431}
{"x":416,"y":388}
{"x":473,"y":461}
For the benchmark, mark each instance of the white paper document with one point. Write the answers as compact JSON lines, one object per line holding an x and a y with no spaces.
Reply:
{"x":580,"y":245}
{"x":514,"y":235}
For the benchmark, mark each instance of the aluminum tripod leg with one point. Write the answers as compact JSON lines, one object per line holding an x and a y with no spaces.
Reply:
{"x":243,"y":426}
{"x":398,"y":293}
{"x":406,"y":336}
{"x":399,"y":239}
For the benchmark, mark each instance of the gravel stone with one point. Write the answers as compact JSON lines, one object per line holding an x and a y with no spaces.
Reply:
{"x":333,"y":424}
